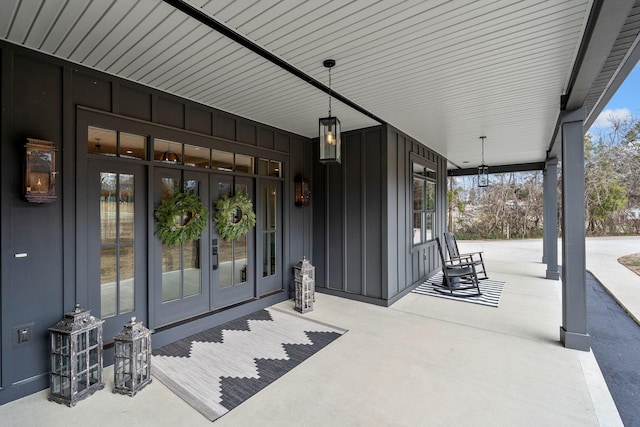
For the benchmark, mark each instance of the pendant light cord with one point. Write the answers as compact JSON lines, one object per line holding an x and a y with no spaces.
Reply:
{"x":329,"y":91}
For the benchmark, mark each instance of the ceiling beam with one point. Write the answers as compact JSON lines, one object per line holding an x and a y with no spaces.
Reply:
{"x":521,"y":167}
{"x":223,"y":29}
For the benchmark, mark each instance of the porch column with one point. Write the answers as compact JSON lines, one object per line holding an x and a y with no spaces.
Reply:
{"x":573,"y":332}
{"x":545,"y":227}
{"x":550,"y":202}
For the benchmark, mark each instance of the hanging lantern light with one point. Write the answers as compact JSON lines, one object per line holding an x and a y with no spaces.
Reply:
{"x":330,"y":144}
{"x":483,"y":170}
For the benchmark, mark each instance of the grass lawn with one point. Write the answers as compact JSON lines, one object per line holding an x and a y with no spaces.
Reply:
{"x":632,"y":262}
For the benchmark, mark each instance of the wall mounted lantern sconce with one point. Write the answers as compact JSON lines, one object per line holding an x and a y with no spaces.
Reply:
{"x":483,"y":170}
{"x":40,"y":171}
{"x":303,"y":191}
{"x":330,"y":144}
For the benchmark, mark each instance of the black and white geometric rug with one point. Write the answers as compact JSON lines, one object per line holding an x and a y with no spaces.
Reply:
{"x":216,"y":370}
{"x":491,"y":291}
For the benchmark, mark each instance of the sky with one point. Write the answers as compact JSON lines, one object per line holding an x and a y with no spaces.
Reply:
{"x":625,"y":102}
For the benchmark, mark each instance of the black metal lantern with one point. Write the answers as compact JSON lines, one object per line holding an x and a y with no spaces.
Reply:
{"x":483,"y":170}
{"x":330,"y":144}
{"x":305,"y":285}
{"x":303,"y":192}
{"x":76,"y":357}
{"x":132,"y":359}
{"x":40,"y":171}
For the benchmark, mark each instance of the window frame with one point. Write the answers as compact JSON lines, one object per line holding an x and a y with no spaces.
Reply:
{"x":429,"y":202}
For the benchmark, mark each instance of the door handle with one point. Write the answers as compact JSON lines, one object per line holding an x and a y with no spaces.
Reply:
{"x":214,"y":254}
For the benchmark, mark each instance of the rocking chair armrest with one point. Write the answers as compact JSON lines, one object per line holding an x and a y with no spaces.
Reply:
{"x":460,"y":263}
{"x":470,"y":254}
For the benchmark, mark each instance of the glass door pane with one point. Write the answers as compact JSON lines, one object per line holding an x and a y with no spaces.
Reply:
{"x":270,"y":226}
{"x":179,"y":268}
{"x":117,"y":253}
{"x":233,"y":266}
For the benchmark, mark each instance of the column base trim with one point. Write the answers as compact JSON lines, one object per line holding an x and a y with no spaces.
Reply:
{"x":574,"y":340}
{"x":553,"y":275}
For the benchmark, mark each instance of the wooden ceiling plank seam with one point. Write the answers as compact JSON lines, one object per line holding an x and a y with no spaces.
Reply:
{"x":185,"y":60}
{"x":21,"y":20}
{"x":84,"y":28}
{"x":268,"y":18}
{"x":256,"y":94}
{"x":490,"y":63}
{"x":158,"y":46}
{"x":114,"y":40}
{"x":476,"y":106}
{"x":406,"y":35}
{"x":394,"y":57}
{"x":257,"y":9}
{"x":381,"y":85}
{"x":286,"y":15}
{"x":32,"y":22}
{"x":69,"y":28}
{"x":146,"y":36}
{"x":167,"y":61}
{"x":43,"y":23}
{"x":445,"y":66}
{"x":100,"y":32}
{"x":249,"y":86}
{"x":195,"y":64}
{"x":315,"y":20}
{"x":233,"y":8}
{"x":7,"y":19}
{"x":337,"y":31}
{"x":414,"y":38}
{"x":218,"y":72}
{"x":446,"y":47}
{"x":297,"y":21}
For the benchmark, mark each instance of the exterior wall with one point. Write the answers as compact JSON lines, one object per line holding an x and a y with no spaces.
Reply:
{"x":40,"y":97}
{"x":404,"y":273}
{"x":362,"y":246}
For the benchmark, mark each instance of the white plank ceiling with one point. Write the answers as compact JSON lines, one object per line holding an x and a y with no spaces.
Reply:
{"x":442,"y":71}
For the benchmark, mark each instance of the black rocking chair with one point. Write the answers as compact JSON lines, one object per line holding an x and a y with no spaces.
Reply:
{"x":471,"y":257}
{"x":457,"y":276}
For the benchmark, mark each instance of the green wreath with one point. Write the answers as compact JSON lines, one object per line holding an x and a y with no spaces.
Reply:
{"x":234,"y":216}
{"x":181,"y":218}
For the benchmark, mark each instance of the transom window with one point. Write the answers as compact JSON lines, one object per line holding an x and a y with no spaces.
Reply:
{"x":424,"y":203}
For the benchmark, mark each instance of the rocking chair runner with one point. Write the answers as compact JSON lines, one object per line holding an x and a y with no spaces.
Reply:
{"x":471,"y":257}
{"x":458,"y":276}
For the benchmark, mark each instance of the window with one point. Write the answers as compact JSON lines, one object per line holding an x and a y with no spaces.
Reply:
{"x":107,"y":142}
{"x":424,"y":203}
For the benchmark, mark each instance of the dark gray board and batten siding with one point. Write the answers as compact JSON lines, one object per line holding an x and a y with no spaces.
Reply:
{"x":362,"y":217}
{"x":42,"y":97}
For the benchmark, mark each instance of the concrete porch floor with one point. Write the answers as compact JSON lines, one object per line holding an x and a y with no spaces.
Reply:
{"x":423,"y":361}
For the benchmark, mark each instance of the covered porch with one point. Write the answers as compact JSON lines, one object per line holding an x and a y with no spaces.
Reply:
{"x":424,"y":360}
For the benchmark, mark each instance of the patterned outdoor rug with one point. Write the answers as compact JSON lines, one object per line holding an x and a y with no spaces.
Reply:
{"x":490,"y":290}
{"x":216,"y":370}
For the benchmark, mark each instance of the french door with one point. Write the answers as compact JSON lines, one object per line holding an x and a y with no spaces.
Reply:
{"x":269,"y":230}
{"x":181,"y":273}
{"x":232,"y":265}
{"x":117,"y":243}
